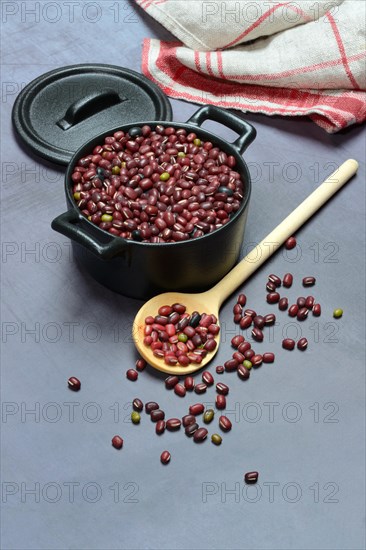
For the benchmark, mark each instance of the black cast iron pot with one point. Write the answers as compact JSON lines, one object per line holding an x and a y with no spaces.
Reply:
{"x":141,"y":270}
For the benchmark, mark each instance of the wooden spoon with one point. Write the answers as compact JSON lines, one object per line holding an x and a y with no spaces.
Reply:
{"x":211,"y":300}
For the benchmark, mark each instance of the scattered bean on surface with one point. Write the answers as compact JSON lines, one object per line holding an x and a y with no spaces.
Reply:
{"x":196,"y":409}
{"x":308,"y":281}
{"x":137,"y":404}
{"x":290,"y":243}
{"x":117,"y":442}
{"x":140,"y":364}
{"x":74,"y":383}
{"x":287,"y":280}
{"x":151,"y":406}
{"x":191,"y":429}
{"x":165,"y":457}
{"x":251,"y":477}
{"x":132,"y":375}
{"x":288,"y":344}
{"x":243,"y":372}
{"x":188,"y":419}
{"x":200,"y":435}
{"x":222,"y":388}
{"x":225,"y":424}
{"x":157,"y":415}
{"x":173,"y":424}
{"x":160,"y":427}
{"x":135,"y":417}
{"x":200,"y":388}
{"x":171,"y":381}
{"x":302,"y":344}
{"x":216,"y":439}
{"x":208,"y":416}
{"x":220,"y":401}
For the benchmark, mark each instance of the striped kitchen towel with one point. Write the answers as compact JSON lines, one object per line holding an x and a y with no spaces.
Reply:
{"x":277,"y":58}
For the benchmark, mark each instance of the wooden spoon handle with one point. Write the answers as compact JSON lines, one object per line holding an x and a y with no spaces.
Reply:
{"x":283,"y":231}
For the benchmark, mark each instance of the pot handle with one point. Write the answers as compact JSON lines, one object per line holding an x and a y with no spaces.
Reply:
{"x":66,"y":224}
{"x":246,"y":131}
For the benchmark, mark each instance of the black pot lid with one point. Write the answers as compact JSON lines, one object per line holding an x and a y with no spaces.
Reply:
{"x":59,"y":111}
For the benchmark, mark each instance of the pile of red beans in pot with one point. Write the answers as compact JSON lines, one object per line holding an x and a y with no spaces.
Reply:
{"x":157,"y":185}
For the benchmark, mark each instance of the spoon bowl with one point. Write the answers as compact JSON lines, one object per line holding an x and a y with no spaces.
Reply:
{"x":203,"y":302}
{"x":211,"y":300}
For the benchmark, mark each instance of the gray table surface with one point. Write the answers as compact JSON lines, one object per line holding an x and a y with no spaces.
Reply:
{"x":300,"y":422}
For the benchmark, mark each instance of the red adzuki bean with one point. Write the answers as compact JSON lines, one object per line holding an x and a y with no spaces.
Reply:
{"x":245,"y":322}
{"x":302,"y":344}
{"x":180,"y":390}
{"x":290,"y":243}
{"x":191,"y":429}
{"x":188,"y":419}
{"x":256,"y":360}
{"x":157,"y":415}
{"x":165,"y":457}
{"x":196,"y":409}
{"x":273,"y":297}
{"x":270,"y":319}
{"x":132,"y":375}
{"x":287,"y":280}
{"x":237,"y":340}
{"x":302,"y":314}
{"x":173,"y":424}
{"x":137,"y":405}
{"x":293,"y":310}
{"x":250,"y":313}
{"x":242,"y":299}
{"x":189,"y":383}
{"x":251,"y":477}
{"x":222,"y":388}
{"x":257,"y":334}
{"x":231,"y":365}
{"x":220,"y":401}
{"x":271,"y":287}
{"x":171,"y":381}
{"x":259,"y":321}
{"x":160,"y":427}
{"x":245,"y":346}
{"x":151,"y":406}
{"x":117,"y":442}
{"x":200,"y":435}
{"x":274,"y":279}
{"x":308,"y":281}
{"x":140,"y":364}
{"x":288,"y":344}
{"x":74,"y":383}
{"x":225,"y":424}
{"x":243,"y":372}
{"x":207,"y":378}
